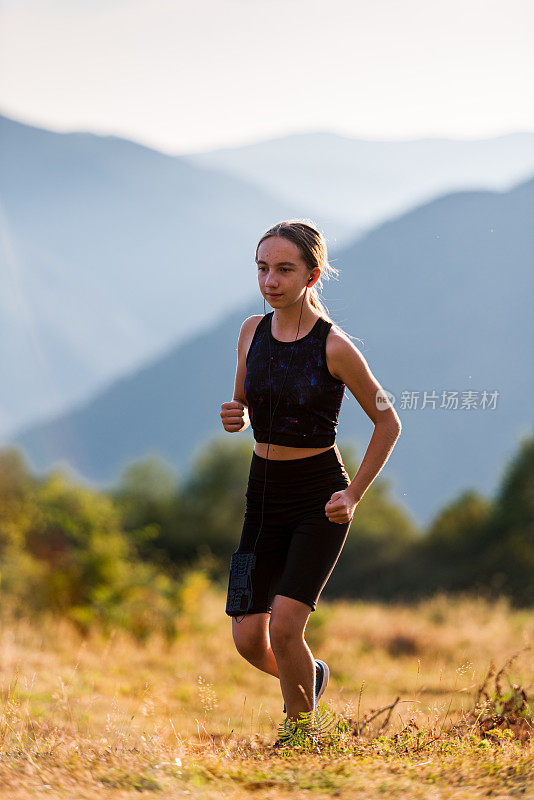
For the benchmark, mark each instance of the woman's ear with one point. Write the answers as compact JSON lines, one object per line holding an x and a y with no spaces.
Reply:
{"x":314,"y":278}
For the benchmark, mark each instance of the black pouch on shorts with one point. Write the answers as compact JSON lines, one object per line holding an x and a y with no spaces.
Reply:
{"x":239,"y":584}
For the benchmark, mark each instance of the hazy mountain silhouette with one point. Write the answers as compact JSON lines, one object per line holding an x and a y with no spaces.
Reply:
{"x":111,"y":251}
{"x":441,"y":300}
{"x":363,"y":182}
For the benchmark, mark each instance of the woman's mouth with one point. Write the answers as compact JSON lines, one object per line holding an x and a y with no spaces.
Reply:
{"x":270,"y":294}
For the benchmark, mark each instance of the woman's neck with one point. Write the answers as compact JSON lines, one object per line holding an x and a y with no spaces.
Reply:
{"x":285,"y":321}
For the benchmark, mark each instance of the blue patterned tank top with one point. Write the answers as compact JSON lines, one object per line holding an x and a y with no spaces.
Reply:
{"x":307,"y":413}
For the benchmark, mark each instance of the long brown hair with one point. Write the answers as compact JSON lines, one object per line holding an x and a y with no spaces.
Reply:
{"x":312,"y":245}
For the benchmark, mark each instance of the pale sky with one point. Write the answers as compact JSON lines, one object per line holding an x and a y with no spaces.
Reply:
{"x":189,"y":76}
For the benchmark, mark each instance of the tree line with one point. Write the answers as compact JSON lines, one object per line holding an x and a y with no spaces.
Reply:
{"x":138,"y":553}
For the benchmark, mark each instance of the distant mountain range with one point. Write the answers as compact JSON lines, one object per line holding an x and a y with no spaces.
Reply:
{"x":440,"y":298}
{"x":112,"y":253}
{"x":362,"y":182}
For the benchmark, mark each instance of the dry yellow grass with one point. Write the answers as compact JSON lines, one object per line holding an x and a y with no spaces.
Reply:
{"x":109,"y":717}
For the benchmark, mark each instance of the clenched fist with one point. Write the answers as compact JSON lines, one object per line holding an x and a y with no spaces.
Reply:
{"x":234,"y":416}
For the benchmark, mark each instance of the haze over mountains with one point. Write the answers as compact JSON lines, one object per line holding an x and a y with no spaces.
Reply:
{"x":363,"y":182}
{"x":113,"y":253}
{"x":110,"y":252}
{"x":440,"y":298}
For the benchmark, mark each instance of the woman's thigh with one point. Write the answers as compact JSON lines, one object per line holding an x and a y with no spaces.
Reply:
{"x":295,"y":543}
{"x":269,"y":539}
{"x":315,"y":546}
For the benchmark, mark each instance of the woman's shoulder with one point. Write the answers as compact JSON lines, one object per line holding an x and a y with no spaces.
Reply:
{"x":339,"y":349}
{"x":253,"y":320}
{"x":249,"y":325}
{"x":248,"y":331}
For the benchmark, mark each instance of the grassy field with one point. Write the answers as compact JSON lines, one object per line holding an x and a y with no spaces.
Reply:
{"x":106,"y":716}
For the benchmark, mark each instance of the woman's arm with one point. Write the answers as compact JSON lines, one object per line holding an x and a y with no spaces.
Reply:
{"x":346,"y":363}
{"x":246,"y":334}
{"x":235,"y":413}
{"x":241,"y":369}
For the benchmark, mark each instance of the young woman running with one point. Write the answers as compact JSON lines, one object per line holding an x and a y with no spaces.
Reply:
{"x":309,"y":500}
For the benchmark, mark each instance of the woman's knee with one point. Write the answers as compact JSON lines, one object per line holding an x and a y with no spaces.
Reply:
{"x":284,"y":632}
{"x":288,"y":622}
{"x":250,"y":636}
{"x":283,"y":635}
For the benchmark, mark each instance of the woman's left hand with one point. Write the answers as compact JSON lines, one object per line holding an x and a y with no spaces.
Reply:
{"x":340,"y":508}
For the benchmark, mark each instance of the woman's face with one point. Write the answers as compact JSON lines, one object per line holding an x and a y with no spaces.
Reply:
{"x":282,"y":274}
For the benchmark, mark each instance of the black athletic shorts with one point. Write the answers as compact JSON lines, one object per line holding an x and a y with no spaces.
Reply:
{"x":298,"y":546}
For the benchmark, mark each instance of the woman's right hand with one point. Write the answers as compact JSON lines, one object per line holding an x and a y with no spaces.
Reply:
{"x":234,"y":416}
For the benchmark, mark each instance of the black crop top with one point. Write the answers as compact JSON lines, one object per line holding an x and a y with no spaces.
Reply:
{"x":308,"y":409}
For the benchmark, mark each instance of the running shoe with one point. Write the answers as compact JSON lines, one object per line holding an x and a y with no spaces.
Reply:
{"x":322,"y":675}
